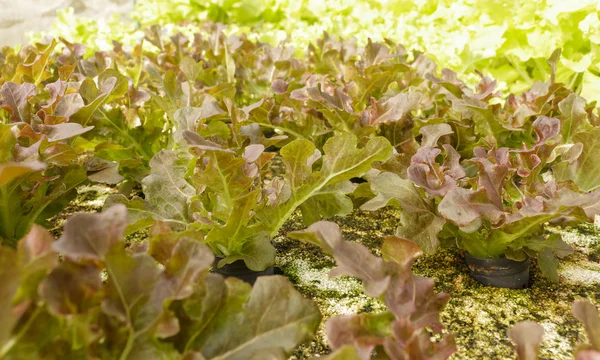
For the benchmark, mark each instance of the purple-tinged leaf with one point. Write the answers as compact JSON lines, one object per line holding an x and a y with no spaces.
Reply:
{"x":352,"y":259}
{"x":465,"y":206}
{"x":279,"y":86}
{"x":131,"y":281}
{"x":412,"y":298}
{"x":275,"y":316}
{"x":393,"y":109}
{"x":493,"y":170}
{"x":195,"y":140}
{"x":35,"y":249}
{"x":451,"y":164}
{"x":412,"y":343}
{"x":432,"y":133}
{"x":363,"y":332}
{"x":527,"y":336}
{"x":418,"y":220}
{"x":400,"y":251}
{"x":55,"y":90}
{"x":10,"y":278}
{"x":14,"y":99}
{"x":71,"y":288}
{"x":69,"y":105}
{"x":64,"y":131}
{"x":188,"y":260}
{"x":587,"y":313}
{"x":91,"y":236}
{"x":587,"y":355}
{"x":546,"y":128}
{"x":252,"y":152}
{"x":435,"y":179}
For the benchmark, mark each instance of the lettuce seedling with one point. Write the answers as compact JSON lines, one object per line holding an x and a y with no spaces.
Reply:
{"x":413,"y":307}
{"x":225,"y":193}
{"x":154,"y":299}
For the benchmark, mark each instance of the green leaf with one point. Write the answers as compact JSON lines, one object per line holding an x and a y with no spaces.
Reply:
{"x":10,"y":170}
{"x":548,"y":264}
{"x":35,"y":70}
{"x":7,"y":143}
{"x":111,"y":85}
{"x":329,"y":202}
{"x":573,"y":109}
{"x":166,"y":188}
{"x":585,"y":170}
{"x":258,"y":253}
{"x":190,"y":68}
{"x":342,"y":160}
{"x":419,"y":222}
{"x":347,"y":352}
{"x":275,"y":316}
{"x":10,"y":276}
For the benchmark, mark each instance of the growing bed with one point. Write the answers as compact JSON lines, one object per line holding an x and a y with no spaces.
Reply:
{"x":144,"y":187}
{"x":478,"y":315}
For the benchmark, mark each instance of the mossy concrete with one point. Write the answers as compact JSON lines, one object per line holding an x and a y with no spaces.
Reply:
{"x":477,"y":315}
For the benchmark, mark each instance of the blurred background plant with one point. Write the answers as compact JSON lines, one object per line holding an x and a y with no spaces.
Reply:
{"x":508,"y":40}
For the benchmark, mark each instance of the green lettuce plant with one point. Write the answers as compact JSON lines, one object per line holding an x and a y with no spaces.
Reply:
{"x":223,"y":191}
{"x":153,"y":299}
{"x":401,"y":332}
{"x":509,"y":43}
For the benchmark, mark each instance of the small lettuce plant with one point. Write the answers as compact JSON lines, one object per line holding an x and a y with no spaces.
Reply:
{"x":413,"y":308}
{"x":222,"y":187}
{"x":492,"y":205}
{"x":155,"y":299}
{"x":43,"y":116}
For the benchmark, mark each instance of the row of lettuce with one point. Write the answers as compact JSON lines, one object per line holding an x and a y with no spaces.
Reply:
{"x":201,"y":123}
{"x":507,"y":40}
{"x":156,"y":299}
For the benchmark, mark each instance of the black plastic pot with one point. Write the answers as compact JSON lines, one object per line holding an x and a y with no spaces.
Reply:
{"x":501,"y":272}
{"x":239,"y":270}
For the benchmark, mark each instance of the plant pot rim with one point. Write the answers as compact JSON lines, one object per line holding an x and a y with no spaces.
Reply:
{"x":499,"y":272}
{"x":501,"y":258}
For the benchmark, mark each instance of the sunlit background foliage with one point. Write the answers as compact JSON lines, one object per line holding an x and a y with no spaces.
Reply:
{"x":508,"y":40}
